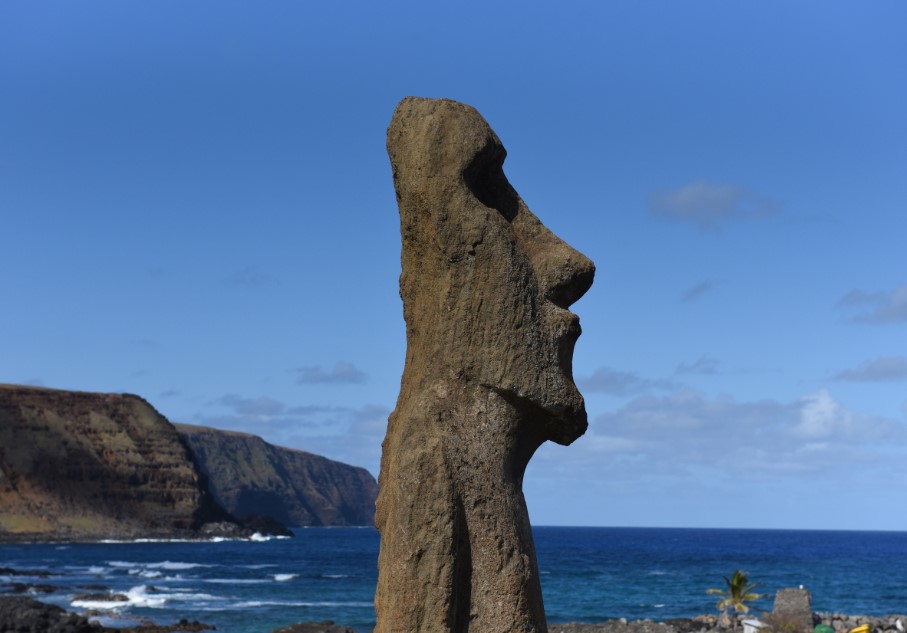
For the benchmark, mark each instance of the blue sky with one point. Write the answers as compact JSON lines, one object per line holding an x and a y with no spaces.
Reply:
{"x":197,"y":207}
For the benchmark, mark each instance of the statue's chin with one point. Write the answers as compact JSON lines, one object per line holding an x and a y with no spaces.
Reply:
{"x":562,"y":420}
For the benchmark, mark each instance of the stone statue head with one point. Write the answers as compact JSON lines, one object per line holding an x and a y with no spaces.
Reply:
{"x":486,"y":286}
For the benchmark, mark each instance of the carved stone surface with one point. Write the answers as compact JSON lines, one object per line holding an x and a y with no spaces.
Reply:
{"x":488,"y":378}
{"x":794,"y":603}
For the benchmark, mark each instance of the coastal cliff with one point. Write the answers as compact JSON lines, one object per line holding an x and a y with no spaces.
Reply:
{"x":247,"y":475}
{"x":89,"y":466}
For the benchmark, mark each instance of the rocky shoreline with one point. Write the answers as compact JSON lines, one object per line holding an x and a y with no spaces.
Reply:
{"x":23,"y":614}
{"x":841,"y":623}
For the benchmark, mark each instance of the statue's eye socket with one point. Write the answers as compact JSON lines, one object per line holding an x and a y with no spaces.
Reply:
{"x":485,"y":178}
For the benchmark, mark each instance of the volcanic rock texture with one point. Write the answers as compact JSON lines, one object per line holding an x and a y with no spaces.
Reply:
{"x":488,"y":379}
{"x":249,"y":476}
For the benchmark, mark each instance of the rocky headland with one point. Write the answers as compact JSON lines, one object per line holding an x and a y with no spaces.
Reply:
{"x":247,"y":475}
{"x":77,"y":466}
{"x":88,"y":466}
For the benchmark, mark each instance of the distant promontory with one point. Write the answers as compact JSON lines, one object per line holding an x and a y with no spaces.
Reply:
{"x":91,"y":466}
{"x":247,"y":475}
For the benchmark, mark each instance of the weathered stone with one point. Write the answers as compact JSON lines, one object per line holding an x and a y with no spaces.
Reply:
{"x":326,"y":626}
{"x":794,"y":603}
{"x":25,"y":615}
{"x":487,"y":379}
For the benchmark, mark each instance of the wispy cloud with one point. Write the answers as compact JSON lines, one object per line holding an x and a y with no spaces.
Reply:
{"x":709,"y":205}
{"x":879,"y":307}
{"x":261,"y":407}
{"x":250,"y":277}
{"x":697,"y":291}
{"x":342,"y":373}
{"x":883,"y":369}
{"x":169,"y":393}
{"x":620,"y":383}
{"x":704,"y":365}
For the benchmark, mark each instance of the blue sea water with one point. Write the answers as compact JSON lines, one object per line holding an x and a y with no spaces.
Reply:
{"x":588,"y":574}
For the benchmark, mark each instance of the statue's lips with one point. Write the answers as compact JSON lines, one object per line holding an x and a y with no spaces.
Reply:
{"x":567,"y":328}
{"x":573,"y":329}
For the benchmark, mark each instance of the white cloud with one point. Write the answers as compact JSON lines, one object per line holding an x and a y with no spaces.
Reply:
{"x":822,"y":417}
{"x":709,"y":205}
{"x":882,"y":307}
{"x":342,"y":373}
{"x":886,"y":368}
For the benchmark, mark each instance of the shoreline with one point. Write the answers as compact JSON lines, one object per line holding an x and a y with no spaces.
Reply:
{"x":28,"y":614}
{"x":839,"y":622}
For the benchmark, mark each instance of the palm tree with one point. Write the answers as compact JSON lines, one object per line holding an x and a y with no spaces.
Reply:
{"x":738,"y":593}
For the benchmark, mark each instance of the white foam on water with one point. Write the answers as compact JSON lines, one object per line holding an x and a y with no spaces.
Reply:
{"x":285,"y":577}
{"x":335,"y":575}
{"x":136,"y":568}
{"x":236,"y":581}
{"x":251,"y":604}
{"x":139,"y":597}
{"x":99,"y":604}
{"x":96,"y":605}
{"x":258,"y":537}
{"x":171,"y":566}
{"x":258,"y":566}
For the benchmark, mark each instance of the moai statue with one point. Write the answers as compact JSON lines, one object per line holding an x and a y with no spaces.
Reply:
{"x":488,"y":378}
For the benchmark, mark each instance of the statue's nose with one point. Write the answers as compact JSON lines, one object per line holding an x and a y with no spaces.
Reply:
{"x":569,"y":277}
{"x":563,"y":272}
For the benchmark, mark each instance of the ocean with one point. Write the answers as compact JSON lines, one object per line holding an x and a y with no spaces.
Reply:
{"x":588,"y":574}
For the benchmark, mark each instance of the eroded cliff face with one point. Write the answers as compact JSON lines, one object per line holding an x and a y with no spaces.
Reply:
{"x":79,"y":465}
{"x":249,"y":476}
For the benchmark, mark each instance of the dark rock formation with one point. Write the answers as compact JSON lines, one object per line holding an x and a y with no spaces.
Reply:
{"x":249,"y":476}
{"x":488,"y":379}
{"x":327,"y":626}
{"x":25,"y":615}
{"x":88,"y":465}
{"x":264,"y":525}
{"x":183,"y":626}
